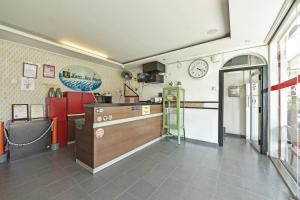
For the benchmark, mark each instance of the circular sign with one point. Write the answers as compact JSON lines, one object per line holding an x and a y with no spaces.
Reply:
{"x":99,"y":133}
{"x":99,"y":119}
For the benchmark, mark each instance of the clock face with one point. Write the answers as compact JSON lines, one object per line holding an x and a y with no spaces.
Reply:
{"x":198,"y":68}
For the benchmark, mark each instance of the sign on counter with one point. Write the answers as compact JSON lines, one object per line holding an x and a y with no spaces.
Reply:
{"x":146,"y":110}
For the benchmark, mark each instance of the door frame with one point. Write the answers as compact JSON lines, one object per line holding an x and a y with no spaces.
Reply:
{"x":263,"y":99}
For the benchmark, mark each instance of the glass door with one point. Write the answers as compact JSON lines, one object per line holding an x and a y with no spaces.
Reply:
{"x":255,"y":109}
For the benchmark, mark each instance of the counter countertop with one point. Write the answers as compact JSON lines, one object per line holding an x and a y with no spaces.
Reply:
{"x":118,"y":104}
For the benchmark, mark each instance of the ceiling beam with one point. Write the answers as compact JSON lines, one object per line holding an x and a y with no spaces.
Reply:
{"x":90,"y":56}
{"x":287,"y":5}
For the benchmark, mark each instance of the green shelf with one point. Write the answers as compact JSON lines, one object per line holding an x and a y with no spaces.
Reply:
{"x":174,"y":120}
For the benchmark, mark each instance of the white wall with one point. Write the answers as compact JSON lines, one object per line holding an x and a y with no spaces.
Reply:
{"x":204,"y":89}
{"x":202,"y":124}
{"x":194,"y":88}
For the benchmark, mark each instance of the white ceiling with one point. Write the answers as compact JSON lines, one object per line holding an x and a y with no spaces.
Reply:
{"x":130,"y":30}
{"x":124,"y":30}
{"x":250,"y":22}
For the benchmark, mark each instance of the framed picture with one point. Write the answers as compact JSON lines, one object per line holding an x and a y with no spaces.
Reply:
{"x":27,"y":84}
{"x":30,"y":70}
{"x":48,"y":71}
{"x":36,"y":111}
{"x":20,"y":112}
{"x":233,"y":91}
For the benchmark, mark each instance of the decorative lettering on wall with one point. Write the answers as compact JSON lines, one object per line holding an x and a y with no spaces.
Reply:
{"x":80,"y":78}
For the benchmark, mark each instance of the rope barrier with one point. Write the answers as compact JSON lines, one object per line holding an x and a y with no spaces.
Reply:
{"x":28,"y":143}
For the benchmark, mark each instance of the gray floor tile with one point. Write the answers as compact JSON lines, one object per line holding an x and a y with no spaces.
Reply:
{"x":211,"y":162}
{"x":163,"y":171}
{"x":230,"y":179}
{"x":226,"y":192}
{"x":58,"y":187}
{"x":112,"y":172}
{"x":73,"y":169}
{"x":93,"y":183}
{"x":75,"y":193}
{"x":170,"y":189}
{"x":109,"y":191}
{"x":142,"y":169}
{"x":19,"y":191}
{"x":253,"y":196}
{"x":125,"y":181}
{"x":259,"y":188}
{"x":142,"y":189}
{"x":203,"y":183}
{"x":193,"y":193}
{"x":82,"y":176}
{"x":158,"y":174}
{"x":126,"y":196}
{"x":208,"y":172}
{"x":40,"y":194}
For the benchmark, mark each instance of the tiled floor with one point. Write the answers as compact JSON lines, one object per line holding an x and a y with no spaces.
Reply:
{"x":163,"y":171}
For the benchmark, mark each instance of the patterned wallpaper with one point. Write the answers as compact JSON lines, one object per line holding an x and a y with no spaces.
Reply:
{"x":12,"y":56}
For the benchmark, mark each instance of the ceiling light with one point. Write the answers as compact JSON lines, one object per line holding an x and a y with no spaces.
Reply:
{"x":83,"y":49}
{"x":247,"y":41}
{"x":212,"y":31}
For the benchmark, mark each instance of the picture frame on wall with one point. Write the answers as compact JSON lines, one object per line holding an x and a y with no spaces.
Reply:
{"x":30,"y":70}
{"x":20,"y":112}
{"x":37,"y":111}
{"x":48,"y":71}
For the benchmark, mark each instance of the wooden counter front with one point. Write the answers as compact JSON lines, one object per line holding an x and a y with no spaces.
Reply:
{"x":126,"y":131}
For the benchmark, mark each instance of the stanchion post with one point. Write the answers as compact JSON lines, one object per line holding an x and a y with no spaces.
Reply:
{"x":54,"y":143}
{"x":3,"y":155}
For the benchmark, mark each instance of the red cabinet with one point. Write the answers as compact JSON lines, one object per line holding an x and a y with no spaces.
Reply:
{"x":76,"y":100}
{"x":87,"y":98}
{"x":57,"y":107}
{"x":71,"y":103}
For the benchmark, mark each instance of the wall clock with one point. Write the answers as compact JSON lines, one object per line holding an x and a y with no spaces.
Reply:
{"x":198,"y":68}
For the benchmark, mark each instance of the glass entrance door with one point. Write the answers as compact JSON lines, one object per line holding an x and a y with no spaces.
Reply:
{"x":255,"y":109}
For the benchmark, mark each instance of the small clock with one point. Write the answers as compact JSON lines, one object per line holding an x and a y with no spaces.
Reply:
{"x":198,"y":68}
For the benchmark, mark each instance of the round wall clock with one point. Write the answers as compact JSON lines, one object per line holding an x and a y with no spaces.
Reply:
{"x":198,"y":68}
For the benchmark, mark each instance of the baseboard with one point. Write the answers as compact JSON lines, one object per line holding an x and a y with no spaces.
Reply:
{"x":201,"y":142}
{"x":234,"y":135}
{"x":195,"y":141}
{"x":101,"y":167}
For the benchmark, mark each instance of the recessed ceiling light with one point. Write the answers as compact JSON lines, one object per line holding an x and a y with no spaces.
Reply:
{"x":76,"y":46}
{"x":212,"y":31}
{"x":247,"y":41}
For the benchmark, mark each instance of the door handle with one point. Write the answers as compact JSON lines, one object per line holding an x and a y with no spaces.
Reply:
{"x":248,"y":102}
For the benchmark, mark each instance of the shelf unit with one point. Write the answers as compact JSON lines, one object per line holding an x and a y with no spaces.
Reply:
{"x":173,"y":114}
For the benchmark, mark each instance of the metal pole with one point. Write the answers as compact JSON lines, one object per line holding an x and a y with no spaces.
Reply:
{"x":54,"y":143}
{"x":3,"y":155}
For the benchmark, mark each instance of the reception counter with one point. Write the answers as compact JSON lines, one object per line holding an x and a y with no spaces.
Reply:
{"x":111,"y":132}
